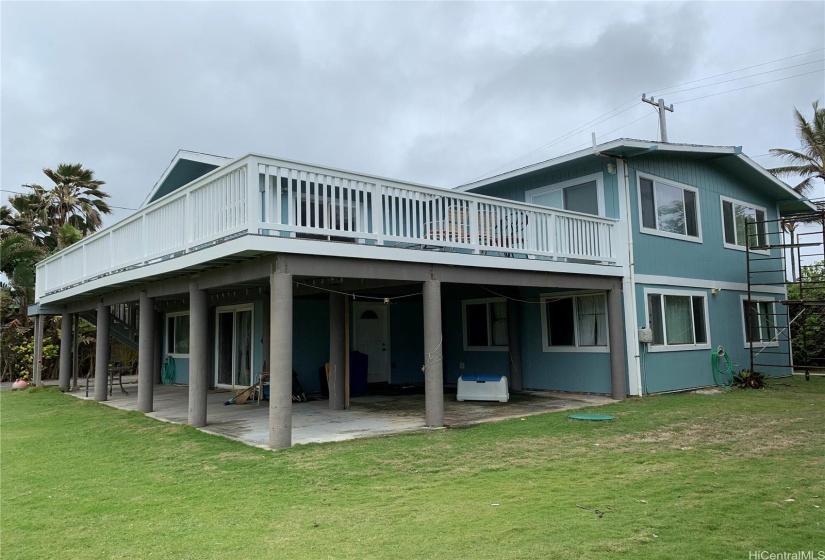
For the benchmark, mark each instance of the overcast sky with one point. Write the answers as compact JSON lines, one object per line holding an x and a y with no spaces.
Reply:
{"x":437,"y":93}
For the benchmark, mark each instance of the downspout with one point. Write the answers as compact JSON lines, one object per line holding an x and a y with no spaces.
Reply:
{"x":629,"y":279}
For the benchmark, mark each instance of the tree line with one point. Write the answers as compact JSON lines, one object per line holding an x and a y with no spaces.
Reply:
{"x":34,"y":225}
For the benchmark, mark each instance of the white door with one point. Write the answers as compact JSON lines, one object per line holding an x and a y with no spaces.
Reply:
{"x":372,"y":337}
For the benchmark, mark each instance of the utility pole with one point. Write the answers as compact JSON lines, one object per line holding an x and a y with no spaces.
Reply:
{"x":660,"y":104}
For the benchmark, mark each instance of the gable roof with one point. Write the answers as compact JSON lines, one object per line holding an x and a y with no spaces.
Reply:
{"x":728,"y":157}
{"x":184,"y":168}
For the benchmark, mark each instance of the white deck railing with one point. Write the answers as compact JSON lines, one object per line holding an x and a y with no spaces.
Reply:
{"x":263,"y":196}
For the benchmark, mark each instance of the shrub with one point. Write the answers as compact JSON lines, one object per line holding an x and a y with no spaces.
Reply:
{"x":748,"y":379}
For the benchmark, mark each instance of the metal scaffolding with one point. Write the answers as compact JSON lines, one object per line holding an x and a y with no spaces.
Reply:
{"x":790,"y":332}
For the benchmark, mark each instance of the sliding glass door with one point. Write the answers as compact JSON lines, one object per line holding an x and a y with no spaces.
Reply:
{"x":234,"y":346}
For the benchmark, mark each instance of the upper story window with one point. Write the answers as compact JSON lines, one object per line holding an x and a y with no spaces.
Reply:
{"x":177,"y":333}
{"x":669,"y":209}
{"x":585,"y":195}
{"x":574,"y":322}
{"x":678,"y":319}
{"x":485,"y":324}
{"x":736,"y":216}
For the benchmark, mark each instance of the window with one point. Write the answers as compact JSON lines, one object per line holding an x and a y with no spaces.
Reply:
{"x":585,"y":195}
{"x":177,"y":334}
{"x":759,"y":320}
{"x":735,"y":219}
{"x":669,"y":209}
{"x":485,"y":324}
{"x":678,"y":320}
{"x":574,"y":322}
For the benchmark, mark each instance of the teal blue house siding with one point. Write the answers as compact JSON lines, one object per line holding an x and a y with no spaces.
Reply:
{"x":310,"y":340}
{"x":475,"y":361}
{"x":515,"y":187}
{"x":687,"y":369}
{"x":406,"y":342}
{"x":709,"y":259}
{"x":581,"y":372}
{"x":182,"y":371}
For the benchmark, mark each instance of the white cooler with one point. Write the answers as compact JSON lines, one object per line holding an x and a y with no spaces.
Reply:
{"x":483,"y":387}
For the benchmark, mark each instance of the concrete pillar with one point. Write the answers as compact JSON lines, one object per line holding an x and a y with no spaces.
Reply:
{"x":514,"y":344}
{"x":102,"y":353}
{"x":65,"y":373}
{"x":265,"y":335}
{"x":146,"y":352}
{"x":337,"y":353}
{"x":75,"y":350}
{"x":37,"y":366}
{"x":280,"y":359}
{"x":615,"y":329}
{"x":198,"y":355}
{"x":433,"y":355}
{"x":157,"y":346}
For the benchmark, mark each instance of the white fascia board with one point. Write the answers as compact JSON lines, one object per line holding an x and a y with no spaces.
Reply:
{"x":261,"y":244}
{"x":598,"y":150}
{"x":188,"y":155}
{"x":651,"y":279}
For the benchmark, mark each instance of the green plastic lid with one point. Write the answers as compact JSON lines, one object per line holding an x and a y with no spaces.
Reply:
{"x":592,"y":417}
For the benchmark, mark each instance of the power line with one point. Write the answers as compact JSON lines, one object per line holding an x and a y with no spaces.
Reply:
{"x":601,"y":118}
{"x":750,"y":86}
{"x":748,"y":76}
{"x":563,"y":137}
{"x":739,"y":70}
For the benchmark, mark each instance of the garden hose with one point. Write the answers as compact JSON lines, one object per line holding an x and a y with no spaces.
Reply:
{"x":715,"y":355}
{"x":167,"y":373}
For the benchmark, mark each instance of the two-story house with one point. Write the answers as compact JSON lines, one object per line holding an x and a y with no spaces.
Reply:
{"x":545,"y":274}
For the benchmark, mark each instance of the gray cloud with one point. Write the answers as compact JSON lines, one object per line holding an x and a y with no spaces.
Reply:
{"x":429,"y":92}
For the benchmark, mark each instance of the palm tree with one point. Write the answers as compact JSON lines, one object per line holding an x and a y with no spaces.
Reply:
{"x":808,"y":162}
{"x":75,"y":199}
{"x":18,"y":255}
{"x":27,"y":214}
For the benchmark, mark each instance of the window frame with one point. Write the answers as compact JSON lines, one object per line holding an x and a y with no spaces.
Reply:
{"x":657,"y":231}
{"x":775,"y":328}
{"x":545,"y":347}
{"x":598,"y":177}
{"x":678,"y":347}
{"x":490,"y":347}
{"x":168,"y":351}
{"x":722,"y":200}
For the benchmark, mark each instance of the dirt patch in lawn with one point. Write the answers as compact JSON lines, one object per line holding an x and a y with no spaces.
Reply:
{"x":745,"y":435}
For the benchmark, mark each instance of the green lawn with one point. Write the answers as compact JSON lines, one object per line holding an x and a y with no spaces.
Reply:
{"x":687,"y":476}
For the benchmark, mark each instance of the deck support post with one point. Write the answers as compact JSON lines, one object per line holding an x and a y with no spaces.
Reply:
{"x":337,"y":352}
{"x":433,"y":353}
{"x":157,"y":347}
{"x":198,"y":355}
{"x":102,"y":353}
{"x":37,"y":366}
{"x":75,"y":350}
{"x":280,"y":357}
{"x":146,"y":351}
{"x":65,"y":373}
{"x":618,"y":373}
{"x":514,"y":344}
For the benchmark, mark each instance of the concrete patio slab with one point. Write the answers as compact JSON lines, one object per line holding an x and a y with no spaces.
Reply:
{"x":314,"y":422}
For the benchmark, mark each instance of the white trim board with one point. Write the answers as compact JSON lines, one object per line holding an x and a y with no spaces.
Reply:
{"x":706,"y":284}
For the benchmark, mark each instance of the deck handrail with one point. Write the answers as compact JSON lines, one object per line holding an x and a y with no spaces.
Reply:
{"x":266,"y":196}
